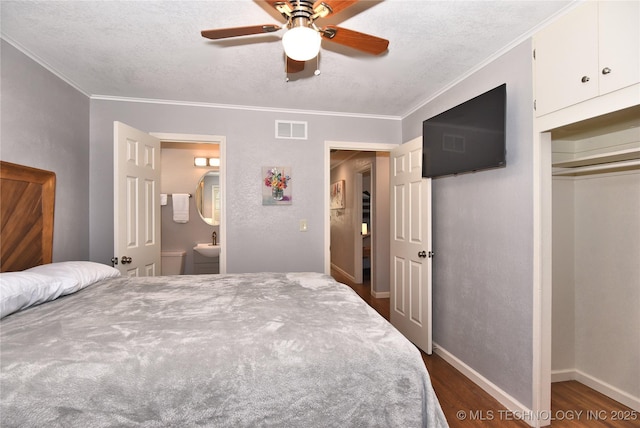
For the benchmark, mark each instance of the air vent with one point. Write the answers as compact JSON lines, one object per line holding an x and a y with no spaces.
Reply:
{"x":291,"y":130}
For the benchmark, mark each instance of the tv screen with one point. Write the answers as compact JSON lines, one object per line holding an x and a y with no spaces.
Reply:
{"x":468,"y":137}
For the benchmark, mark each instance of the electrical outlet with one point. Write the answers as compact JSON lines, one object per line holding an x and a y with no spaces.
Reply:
{"x":303,"y":225}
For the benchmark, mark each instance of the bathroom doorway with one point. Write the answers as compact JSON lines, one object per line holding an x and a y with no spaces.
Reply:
{"x":180,"y":174}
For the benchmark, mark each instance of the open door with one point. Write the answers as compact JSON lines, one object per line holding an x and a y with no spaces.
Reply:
{"x":136,"y":202}
{"x":411,"y":253}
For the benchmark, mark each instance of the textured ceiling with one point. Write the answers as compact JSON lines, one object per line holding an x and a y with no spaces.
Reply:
{"x":153,"y":50}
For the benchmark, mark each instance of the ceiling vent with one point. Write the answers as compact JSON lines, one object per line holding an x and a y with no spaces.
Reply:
{"x":291,"y":130}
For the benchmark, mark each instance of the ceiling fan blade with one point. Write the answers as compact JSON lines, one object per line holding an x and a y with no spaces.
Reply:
{"x":294,"y":66}
{"x":329,"y":7}
{"x":223,"y":33}
{"x":354,"y":39}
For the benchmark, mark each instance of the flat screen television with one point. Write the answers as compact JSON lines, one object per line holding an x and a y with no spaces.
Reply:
{"x":468,"y":137}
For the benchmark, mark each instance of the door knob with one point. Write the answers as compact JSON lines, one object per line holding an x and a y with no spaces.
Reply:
{"x":422,"y":254}
{"x":585,"y":79}
{"x":606,"y":70}
{"x":125,"y":260}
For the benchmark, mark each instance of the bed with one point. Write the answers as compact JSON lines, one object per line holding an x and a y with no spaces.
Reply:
{"x":88,"y":347}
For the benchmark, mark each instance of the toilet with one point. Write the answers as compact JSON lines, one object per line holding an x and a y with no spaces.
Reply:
{"x":172,"y":262}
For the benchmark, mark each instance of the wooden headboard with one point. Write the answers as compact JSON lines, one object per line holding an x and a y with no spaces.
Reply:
{"x":27,"y":197}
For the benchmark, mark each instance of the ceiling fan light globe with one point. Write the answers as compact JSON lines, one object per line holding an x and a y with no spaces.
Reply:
{"x":301,"y":43}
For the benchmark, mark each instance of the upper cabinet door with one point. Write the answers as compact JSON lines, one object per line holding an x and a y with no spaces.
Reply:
{"x":619,"y":49}
{"x":566,"y":60}
{"x":592,"y":50}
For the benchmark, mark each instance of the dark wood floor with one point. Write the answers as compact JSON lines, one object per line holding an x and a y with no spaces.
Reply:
{"x":465,"y":404}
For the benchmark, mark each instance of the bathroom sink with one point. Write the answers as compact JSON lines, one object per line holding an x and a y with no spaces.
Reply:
{"x":207,"y":250}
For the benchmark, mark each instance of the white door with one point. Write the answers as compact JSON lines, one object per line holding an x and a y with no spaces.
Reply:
{"x":136,"y":204}
{"x":411,"y":245}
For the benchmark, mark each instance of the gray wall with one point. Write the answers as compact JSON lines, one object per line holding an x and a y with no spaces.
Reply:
{"x":45,"y":124}
{"x":483,"y":238}
{"x":259,"y":238}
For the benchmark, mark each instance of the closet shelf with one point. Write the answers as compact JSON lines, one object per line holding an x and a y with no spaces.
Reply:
{"x":600,"y":168}
{"x":602,"y":158}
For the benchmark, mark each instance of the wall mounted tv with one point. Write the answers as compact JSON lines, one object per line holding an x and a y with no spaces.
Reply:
{"x":468,"y":137}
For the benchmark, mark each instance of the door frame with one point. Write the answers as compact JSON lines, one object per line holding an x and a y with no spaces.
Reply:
{"x":221,"y":140}
{"x":340,"y":145}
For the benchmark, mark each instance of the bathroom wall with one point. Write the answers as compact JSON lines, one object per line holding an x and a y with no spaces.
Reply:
{"x":179,"y":175}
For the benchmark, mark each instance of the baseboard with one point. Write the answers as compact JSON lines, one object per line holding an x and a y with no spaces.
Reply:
{"x":511,"y":404}
{"x":562,"y":375}
{"x":376,"y":294}
{"x":598,"y":385}
{"x":381,"y":294}
{"x":342,"y":272}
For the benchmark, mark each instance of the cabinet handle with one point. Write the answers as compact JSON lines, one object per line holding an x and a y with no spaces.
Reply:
{"x":585,"y":79}
{"x":606,"y":70}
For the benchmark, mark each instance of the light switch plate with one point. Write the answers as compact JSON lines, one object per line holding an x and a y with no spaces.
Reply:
{"x":303,"y":225}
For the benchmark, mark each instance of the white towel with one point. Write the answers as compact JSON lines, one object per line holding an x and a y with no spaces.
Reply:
{"x":163,"y":199}
{"x":180,"y":207}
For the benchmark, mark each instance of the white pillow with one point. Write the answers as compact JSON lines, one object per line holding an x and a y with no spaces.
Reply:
{"x":85,"y":273}
{"x":19,"y":290}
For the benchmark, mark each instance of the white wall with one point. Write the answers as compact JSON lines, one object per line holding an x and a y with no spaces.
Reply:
{"x":606,"y":274}
{"x":45,"y":124}
{"x":483,"y":238}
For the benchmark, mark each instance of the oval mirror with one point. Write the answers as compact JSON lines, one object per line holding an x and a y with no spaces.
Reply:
{"x":208,"y":197}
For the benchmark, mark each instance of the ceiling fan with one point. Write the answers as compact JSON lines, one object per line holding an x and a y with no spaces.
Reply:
{"x":302,"y":40}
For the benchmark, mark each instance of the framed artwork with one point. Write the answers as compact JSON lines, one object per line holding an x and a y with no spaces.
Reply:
{"x":276,"y":185}
{"x":337,"y":195}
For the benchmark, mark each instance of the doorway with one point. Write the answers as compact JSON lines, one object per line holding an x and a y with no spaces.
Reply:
{"x":198,"y":229}
{"x":370,"y":169}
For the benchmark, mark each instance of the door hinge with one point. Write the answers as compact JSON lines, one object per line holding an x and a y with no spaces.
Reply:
{"x":534,"y":54}
{"x":535,"y":105}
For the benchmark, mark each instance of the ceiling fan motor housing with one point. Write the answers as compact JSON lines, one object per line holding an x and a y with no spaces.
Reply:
{"x":302,"y":13}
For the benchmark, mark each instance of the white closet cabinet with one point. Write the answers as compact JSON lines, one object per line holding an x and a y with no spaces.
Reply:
{"x":592,"y":50}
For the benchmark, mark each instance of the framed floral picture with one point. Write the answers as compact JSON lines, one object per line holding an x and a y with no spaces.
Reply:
{"x":337,"y":195}
{"x":276,"y":185}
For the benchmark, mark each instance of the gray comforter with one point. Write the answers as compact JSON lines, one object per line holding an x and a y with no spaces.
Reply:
{"x":247,"y":350}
